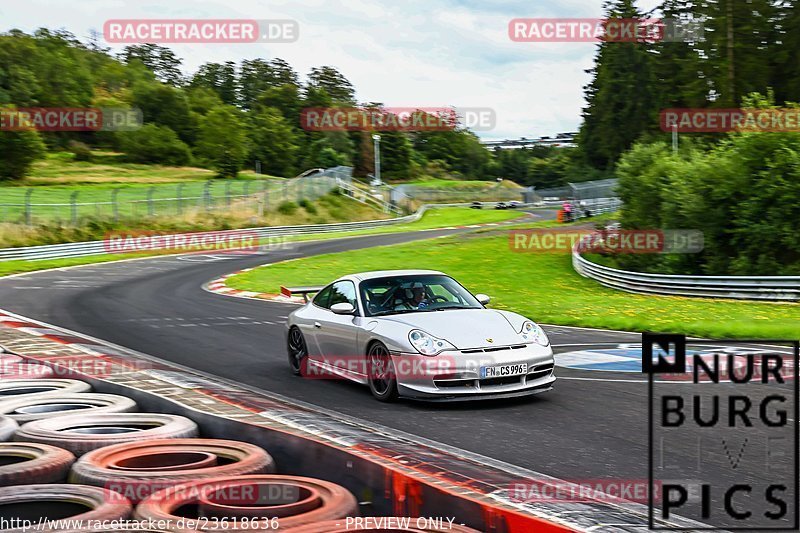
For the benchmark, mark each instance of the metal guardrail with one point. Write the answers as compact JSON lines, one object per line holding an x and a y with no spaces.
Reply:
{"x":769,"y":288}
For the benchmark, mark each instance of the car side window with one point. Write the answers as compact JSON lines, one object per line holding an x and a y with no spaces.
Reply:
{"x":343,"y":292}
{"x":323,"y":297}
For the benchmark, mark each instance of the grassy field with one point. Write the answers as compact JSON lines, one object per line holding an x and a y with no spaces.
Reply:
{"x":59,"y":168}
{"x":55,"y":179}
{"x":541,"y":286}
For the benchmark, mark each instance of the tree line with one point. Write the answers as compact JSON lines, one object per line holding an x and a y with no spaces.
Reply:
{"x":226,"y":116}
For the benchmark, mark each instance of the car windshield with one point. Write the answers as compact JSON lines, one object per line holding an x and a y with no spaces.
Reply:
{"x":415,"y":294}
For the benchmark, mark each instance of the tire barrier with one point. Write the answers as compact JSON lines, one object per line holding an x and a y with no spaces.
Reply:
{"x":81,"y":434}
{"x":293,"y":500}
{"x":17,"y":388}
{"x":382,"y":466}
{"x":8,"y":426}
{"x":60,"y":502}
{"x":23,"y":463}
{"x":44,"y":406}
{"x":22,"y":370}
{"x":382,"y":523}
{"x":139,"y":469}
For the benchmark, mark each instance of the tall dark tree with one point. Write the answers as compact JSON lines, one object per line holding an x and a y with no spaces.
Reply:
{"x":786,"y":72}
{"x":621,"y":96}
{"x":219,"y":77}
{"x":162,"y":61}
{"x":395,"y":154}
{"x":740,"y":38}
{"x":258,"y":76}
{"x":678,"y":69}
{"x":335,"y":84}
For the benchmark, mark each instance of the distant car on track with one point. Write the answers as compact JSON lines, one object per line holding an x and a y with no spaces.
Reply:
{"x":501,"y":205}
{"x":417,"y":334}
{"x":476,"y":205}
{"x":513,"y":204}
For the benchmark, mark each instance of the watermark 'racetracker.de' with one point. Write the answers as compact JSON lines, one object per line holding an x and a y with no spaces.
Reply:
{"x":240,"y":241}
{"x":407,"y":119}
{"x":561,"y":240}
{"x":160,"y":31}
{"x":725,"y":120}
{"x":70,"y":118}
{"x":593,"y":30}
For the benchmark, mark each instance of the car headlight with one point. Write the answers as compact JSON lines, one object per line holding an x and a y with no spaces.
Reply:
{"x":427,"y":344}
{"x":534,"y":333}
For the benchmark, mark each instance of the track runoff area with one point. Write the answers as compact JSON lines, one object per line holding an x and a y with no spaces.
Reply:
{"x":705,"y":429}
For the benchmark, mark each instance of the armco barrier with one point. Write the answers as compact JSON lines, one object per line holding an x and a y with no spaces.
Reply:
{"x":391,"y":473}
{"x":769,"y":288}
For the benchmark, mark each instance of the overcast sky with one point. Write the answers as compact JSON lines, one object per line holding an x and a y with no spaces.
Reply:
{"x":418,"y":53}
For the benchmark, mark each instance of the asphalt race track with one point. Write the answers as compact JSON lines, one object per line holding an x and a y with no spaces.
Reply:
{"x":593,"y":425}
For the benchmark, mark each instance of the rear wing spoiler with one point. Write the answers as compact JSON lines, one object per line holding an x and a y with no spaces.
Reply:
{"x":305,"y":291}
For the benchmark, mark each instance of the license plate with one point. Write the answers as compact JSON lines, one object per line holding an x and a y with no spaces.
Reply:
{"x":503,"y":371}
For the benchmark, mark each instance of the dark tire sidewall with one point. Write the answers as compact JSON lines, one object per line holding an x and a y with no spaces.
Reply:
{"x":391,"y":391}
{"x":298,"y":368}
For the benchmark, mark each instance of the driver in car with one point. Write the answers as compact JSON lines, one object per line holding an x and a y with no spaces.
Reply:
{"x":418,"y":297}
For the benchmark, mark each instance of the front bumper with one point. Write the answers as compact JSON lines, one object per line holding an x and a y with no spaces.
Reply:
{"x":455,"y":375}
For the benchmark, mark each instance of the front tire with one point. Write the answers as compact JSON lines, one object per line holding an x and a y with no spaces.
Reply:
{"x":382,"y":376}
{"x":298,"y":352}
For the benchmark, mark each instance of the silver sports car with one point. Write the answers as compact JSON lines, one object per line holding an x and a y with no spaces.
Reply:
{"x":417,"y":334}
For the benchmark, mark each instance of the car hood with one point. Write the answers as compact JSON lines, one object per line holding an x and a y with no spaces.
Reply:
{"x":463,"y":328}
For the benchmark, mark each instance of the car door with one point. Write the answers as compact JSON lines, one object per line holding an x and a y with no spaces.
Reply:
{"x":337,"y":334}
{"x":315,"y":312}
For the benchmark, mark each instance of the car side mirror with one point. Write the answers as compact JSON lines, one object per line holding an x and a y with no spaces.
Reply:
{"x":483,"y":299}
{"x":344,"y":308}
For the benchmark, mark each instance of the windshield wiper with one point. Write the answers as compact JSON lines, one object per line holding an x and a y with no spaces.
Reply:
{"x":454,"y":307}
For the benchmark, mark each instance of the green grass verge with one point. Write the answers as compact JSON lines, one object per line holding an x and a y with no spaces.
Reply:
{"x":454,"y":216}
{"x":541,"y":286}
{"x":60,"y":168}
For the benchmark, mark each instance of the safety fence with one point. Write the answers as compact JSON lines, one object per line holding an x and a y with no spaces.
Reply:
{"x":71,"y":206}
{"x":586,"y":210}
{"x":583,"y":193}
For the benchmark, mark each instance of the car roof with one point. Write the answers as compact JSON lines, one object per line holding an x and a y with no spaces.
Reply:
{"x":374,"y":274}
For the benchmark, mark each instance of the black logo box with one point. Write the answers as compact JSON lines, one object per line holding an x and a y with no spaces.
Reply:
{"x":675,"y":344}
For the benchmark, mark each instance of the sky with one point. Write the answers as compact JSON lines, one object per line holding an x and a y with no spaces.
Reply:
{"x":403,"y":53}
